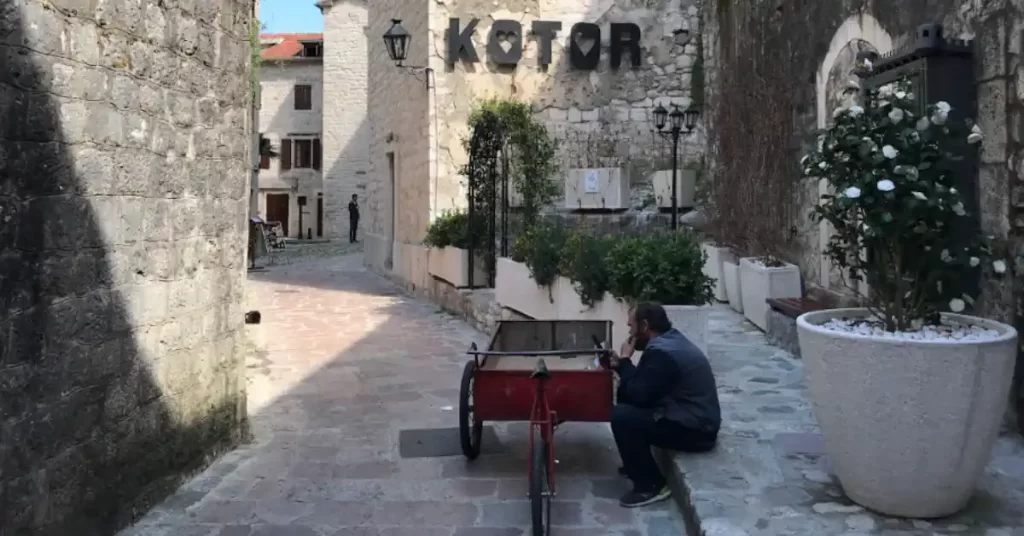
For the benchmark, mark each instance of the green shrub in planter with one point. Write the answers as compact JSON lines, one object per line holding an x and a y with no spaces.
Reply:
{"x":540,"y":248}
{"x":583,"y":261}
{"x":666,"y":268}
{"x":450,"y":229}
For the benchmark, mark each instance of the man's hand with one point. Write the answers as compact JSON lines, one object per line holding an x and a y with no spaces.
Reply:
{"x":625,"y":352}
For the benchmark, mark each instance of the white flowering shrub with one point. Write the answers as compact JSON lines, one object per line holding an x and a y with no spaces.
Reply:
{"x":894,"y":206}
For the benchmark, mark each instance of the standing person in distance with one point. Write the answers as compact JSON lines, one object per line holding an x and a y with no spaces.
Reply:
{"x":353,"y":219}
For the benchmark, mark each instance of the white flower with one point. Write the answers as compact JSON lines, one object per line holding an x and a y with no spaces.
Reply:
{"x":975,"y":262}
{"x":885,"y":91}
{"x":975,"y":136}
{"x":885,"y":185}
{"x":920,"y":196}
{"x":822,"y":165}
{"x":945,"y":256}
{"x":856,"y":110}
{"x":952,"y":191}
{"x":889,"y":151}
{"x":866,"y":64}
{"x":956,"y":305}
{"x":939,"y":118}
{"x":896,"y":115}
{"x":943,"y":107}
{"x":853,"y":192}
{"x":901,"y":95}
{"x":999,"y":266}
{"x":838,"y":112}
{"x":883,"y":103}
{"x":922,"y":124}
{"x":958,"y":209}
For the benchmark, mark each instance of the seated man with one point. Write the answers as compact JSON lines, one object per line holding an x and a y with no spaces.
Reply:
{"x":669,"y":400}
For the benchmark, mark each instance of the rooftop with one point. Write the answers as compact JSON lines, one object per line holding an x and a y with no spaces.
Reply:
{"x":288,"y":46}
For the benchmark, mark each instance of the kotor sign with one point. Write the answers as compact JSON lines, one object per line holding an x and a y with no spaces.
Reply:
{"x":625,"y":37}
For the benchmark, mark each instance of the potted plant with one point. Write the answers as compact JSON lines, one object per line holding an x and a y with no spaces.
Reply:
{"x":762,"y":278}
{"x":448,"y":258}
{"x":909,"y":390}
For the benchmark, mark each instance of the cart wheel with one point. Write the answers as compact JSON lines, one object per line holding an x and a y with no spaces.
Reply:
{"x":540,"y":490}
{"x":470,"y":429}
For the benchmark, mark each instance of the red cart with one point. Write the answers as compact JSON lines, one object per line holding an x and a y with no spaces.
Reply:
{"x":547,"y":372}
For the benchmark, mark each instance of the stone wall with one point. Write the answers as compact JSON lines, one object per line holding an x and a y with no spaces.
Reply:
{"x":826,"y":35}
{"x":346,"y":130}
{"x":401,"y":147}
{"x":601,"y":118}
{"x":124,"y":167}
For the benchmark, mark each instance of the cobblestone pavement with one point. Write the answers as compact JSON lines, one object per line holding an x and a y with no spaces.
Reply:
{"x":301,"y":251}
{"x":345,"y":364}
{"x":770,"y":475}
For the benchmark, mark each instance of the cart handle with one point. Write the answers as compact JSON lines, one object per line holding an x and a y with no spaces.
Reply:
{"x":567,"y":354}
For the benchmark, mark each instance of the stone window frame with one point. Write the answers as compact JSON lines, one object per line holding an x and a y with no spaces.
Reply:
{"x":315,"y":152}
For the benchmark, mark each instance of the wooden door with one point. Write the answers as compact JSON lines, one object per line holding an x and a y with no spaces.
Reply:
{"x":277,"y":210}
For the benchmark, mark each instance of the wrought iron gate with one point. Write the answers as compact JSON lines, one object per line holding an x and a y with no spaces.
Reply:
{"x":487,"y":176}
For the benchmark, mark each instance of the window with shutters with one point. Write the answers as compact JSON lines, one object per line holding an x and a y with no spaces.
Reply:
{"x":303,"y":153}
{"x":303,"y":97}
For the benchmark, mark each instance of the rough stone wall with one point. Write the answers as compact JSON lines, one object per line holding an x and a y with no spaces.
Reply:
{"x":602,"y":117}
{"x":345,"y":126}
{"x":279,"y":119}
{"x":401,"y":124}
{"x":124,"y":169}
{"x":996,"y":26}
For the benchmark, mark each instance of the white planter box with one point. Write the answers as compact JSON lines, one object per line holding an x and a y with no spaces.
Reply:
{"x":516,"y":290}
{"x":758,"y":283}
{"x":908,"y":425}
{"x":452,"y":265}
{"x":686,"y":188}
{"x":733,"y":287}
{"x":598,"y":188}
{"x":717,"y":256}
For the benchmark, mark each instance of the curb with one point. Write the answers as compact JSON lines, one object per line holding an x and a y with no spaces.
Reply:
{"x":681,"y":492}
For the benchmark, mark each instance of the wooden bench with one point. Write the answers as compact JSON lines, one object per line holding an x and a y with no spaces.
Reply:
{"x":782,"y":313}
{"x":794,"y":307}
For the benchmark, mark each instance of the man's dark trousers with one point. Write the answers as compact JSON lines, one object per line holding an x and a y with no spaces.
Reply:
{"x":636,"y":431}
{"x":353,"y":223}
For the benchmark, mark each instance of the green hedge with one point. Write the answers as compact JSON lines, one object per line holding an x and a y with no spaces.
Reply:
{"x":449,"y":229}
{"x":663,"y":267}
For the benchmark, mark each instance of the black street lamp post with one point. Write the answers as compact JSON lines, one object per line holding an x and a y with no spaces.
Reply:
{"x":396,"y":42}
{"x":676,"y":121}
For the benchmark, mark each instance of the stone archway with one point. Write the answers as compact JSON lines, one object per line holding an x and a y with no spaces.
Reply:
{"x":858,"y":33}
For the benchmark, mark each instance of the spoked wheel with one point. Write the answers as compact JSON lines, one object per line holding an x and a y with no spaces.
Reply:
{"x":470,"y":429}
{"x":540,"y":489}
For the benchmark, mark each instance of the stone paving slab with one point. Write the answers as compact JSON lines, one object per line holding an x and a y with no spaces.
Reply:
{"x":770,"y":475}
{"x":344,"y":363}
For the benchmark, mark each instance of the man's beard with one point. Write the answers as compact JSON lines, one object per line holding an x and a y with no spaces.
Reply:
{"x":640,"y":343}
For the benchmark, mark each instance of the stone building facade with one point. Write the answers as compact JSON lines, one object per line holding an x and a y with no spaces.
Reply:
{"x":291,"y":118}
{"x":602,"y":117}
{"x":346,"y":129}
{"x":824,"y":40}
{"x":124,"y":169}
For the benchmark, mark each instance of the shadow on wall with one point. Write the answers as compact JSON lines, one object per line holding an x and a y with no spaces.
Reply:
{"x":340,"y":183}
{"x":88,"y":439}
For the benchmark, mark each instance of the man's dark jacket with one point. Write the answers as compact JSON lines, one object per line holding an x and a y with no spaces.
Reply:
{"x":674,"y":379}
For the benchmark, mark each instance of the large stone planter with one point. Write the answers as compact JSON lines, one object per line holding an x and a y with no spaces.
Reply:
{"x":516,"y":290}
{"x":908,"y":425}
{"x":452,"y":265}
{"x":717,"y":256}
{"x":758,"y":283}
{"x":733,"y":288}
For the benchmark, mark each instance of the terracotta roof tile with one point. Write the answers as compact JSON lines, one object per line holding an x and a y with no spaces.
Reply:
{"x":288,"y":45}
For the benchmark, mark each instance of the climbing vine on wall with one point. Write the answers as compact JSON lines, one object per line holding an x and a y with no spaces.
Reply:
{"x":753,"y":134}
